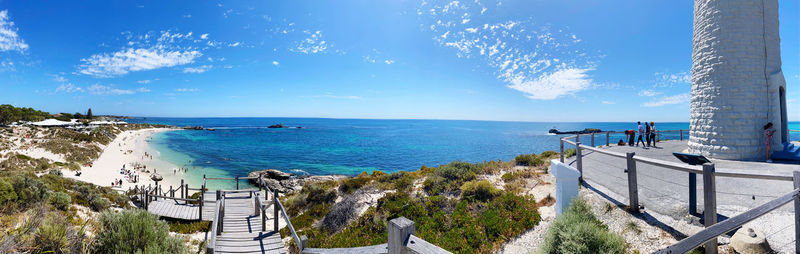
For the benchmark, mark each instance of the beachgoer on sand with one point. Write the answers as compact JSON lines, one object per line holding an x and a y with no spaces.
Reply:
{"x":768,"y":133}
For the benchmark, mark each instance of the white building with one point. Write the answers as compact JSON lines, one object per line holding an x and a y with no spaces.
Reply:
{"x":737,"y":83}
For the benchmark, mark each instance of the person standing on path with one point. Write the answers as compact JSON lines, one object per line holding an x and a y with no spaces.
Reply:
{"x":647,"y":133}
{"x":641,"y":133}
{"x":652,"y":136}
{"x":768,"y":133}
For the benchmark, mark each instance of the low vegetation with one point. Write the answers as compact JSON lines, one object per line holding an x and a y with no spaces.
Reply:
{"x":135,"y":231}
{"x":452,"y":205}
{"x":578,"y":231}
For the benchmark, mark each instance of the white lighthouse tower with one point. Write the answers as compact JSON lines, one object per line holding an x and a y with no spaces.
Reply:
{"x":737,"y":83}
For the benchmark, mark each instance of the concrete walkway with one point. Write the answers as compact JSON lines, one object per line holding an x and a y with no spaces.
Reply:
{"x":666,"y":192}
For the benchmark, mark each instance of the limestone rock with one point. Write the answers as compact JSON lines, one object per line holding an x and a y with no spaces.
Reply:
{"x":749,"y":241}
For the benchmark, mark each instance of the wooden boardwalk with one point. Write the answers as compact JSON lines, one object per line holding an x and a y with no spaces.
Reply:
{"x":241,"y":228}
{"x":175,"y":209}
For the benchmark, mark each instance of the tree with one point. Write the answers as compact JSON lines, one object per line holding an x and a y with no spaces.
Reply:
{"x":77,"y":115}
{"x":89,"y":114}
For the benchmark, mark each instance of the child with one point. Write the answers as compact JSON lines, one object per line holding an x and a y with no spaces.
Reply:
{"x":768,"y":132}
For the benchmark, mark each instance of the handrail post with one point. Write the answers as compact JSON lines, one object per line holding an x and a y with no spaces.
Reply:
{"x":275,"y":208}
{"x":692,"y":193}
{"x":219,"y":194}
{"x":561,"y":149}
{"x":633,"y":188}
{"x":303,"y":243}
{"x":710,"y":204}
{"x":200,"y":211}
{"x":171,"y":192}
{"x":186,"y":192}
{"x":608,"y":135}
{"x":400,"y":229}
{"x":237,"y":182}
{"x":796,"y":212}
{"x":579,"y":160}
{"x":182,"y":189}
{"x":681,"y":130}
{"x":577,"y":138}
{"x":592,"y":139}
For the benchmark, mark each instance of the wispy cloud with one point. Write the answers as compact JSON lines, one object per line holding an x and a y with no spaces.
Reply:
{"x":608,"y":102}
{"x":9,"y":39}
{"x":540,"y":62}
{"x":275,"y":63}
{"x":69,"y":88}
{"x":186,"y":90}
{"x":98,"y":89}
{"x":146,"y":81}
{"x":387,"y":61}
{"x":669,"y":100}
{"x":312,"y":44}
{"x":648,"y":93}
{"x":198,"y":69}
{"x":145,"y":52}
{"x":342,"y":97}
{"x":663,"y":79}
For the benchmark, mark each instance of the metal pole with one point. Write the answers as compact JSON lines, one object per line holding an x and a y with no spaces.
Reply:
{"x":579,"y":161}
{"x":633,"y":188}
{"x":710,"y":204}
{"x":608,"y":134}
{"x":561,"y":149}
{"x":692,"y":193}
{"x":275,"y":206}
{"x":796,"y":212}
{"x":182,"y":189}
{"x":592,"y":139}
{"x":681,"y":134}
{"x":237,"y":182}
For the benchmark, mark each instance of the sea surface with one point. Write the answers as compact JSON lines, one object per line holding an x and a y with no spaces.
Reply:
{"x":351,"y":146}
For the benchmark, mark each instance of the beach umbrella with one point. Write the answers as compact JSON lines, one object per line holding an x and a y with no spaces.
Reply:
{"x":156,"y":177}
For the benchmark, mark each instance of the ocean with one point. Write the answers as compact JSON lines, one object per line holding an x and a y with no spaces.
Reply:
{"x":351,"y":146}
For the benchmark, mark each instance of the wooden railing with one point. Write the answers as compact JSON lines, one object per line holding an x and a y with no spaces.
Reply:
{"x":709,"y":173}
{"x":149,"y":194}
{"x":216,"y":226}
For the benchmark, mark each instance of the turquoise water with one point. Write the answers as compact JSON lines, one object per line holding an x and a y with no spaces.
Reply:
{"x":351,"y":146}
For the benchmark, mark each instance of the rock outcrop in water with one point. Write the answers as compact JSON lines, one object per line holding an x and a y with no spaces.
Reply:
{"x":288,"y":182}
{"x":584,"y":131}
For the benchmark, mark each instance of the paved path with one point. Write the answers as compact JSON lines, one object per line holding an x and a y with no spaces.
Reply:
{"x":666,"y":191}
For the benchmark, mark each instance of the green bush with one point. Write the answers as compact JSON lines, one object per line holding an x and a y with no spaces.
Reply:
{"x":52,"y":234}
{"x":351,"y":184}
{"x":529,"y":160}
{"x":98,"y":203}
{"x":449,"y":177}
{"x":29,"y":189}
{"x":7,"y":194}
{"x":479,"y":190}
{"x":569,"y":153}
{"x":135,"y":231}
{"x":189,"y":227}
{"x":547,"y":154}
{"x":578,"y":231}
{"x":60,"y":200}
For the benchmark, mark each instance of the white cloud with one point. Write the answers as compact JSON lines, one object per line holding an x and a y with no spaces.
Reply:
{"x":146,"y":81}
{"x":663,"y":79}
{"x":343,"y":97}
{"x":648,"y":93}
{"x":143,"y":52}
{"x":550,"y":86}
{"x":235,"y":44}
{"x":59,"y":79}
{"x":669,"y":100}
{"x":198,"y":69}
{"x":204,"y":36}
{"x":536,"y":60}
{"x":312,"y":44}
{"x":186,"y":90}
{"x":608,"y":102}
{"x":98,"y":89}
{"x":275,"y":63}
{"x":387,"y":61}
{"x":9,"y":39}
{"x":69,"y":88}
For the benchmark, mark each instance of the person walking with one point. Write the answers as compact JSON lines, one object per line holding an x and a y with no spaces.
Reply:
{"x":768,"y":133}
{"x":647,"y":133}
{"x":652,"y":134}
{"x":641,"y":133}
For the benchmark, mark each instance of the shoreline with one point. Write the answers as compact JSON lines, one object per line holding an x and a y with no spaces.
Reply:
{"x":128,"y":149}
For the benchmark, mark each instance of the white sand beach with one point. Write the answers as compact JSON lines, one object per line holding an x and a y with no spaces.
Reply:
{"x":129,"y":148}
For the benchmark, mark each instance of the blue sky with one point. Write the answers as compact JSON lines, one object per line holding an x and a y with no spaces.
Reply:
{"x":483,"y":60}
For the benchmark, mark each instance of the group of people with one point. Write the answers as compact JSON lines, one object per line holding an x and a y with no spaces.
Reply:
{"x":647,"y":135}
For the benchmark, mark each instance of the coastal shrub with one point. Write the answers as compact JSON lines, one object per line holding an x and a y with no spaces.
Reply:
{"x":569,"y":153}
{"x":404,"y":182}
{"x":547,"y":154}
{"x":578,"y":231}
{"x":7,"y":194}
{"x":60,"y":200}
{"x":189,"y":227}
{"x":479,"y":190}
{"x":29,"y":189}
{"x":135,"y":231}
{"x":449,"y":177}
{"x":319,"y":194}
{"x":339,"y":216}
{"x":354,"y":183}
{"x":508,"y":177}
{"x":98,"y":203}
{"x":52,"y":234}
{"x":529,"y":160}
